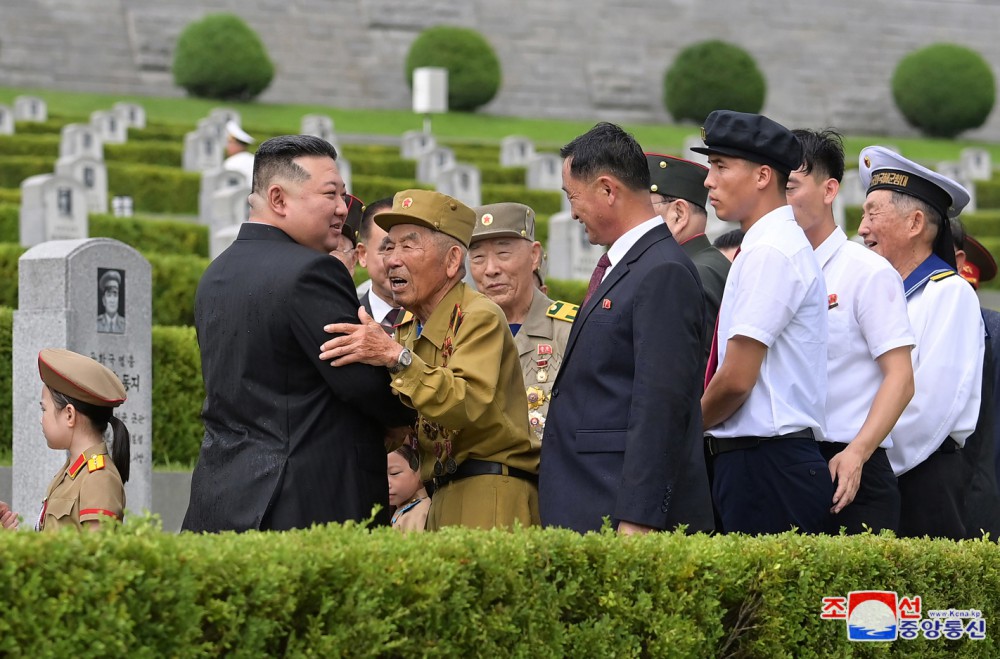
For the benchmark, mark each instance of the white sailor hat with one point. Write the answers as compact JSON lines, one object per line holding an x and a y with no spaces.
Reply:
{"x":237,"y":133}
{"x":882,"y":169}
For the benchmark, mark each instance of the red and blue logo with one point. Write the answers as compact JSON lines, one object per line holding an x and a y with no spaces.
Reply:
{"x":872,"y":615}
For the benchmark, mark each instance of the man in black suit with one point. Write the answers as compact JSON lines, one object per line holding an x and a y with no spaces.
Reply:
{"x":289,"y":441}
{"x":623,"y":436}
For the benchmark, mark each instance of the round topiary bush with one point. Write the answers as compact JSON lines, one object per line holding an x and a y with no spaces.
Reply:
{"x":473,"y":68}
{"x":221,"y":57}
{"x":712,"y":75}
{"x":944,"y":89}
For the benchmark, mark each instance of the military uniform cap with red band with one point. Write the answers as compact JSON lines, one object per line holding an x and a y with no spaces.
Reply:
{"x":80,"y":378}
{"x":676,"y":177}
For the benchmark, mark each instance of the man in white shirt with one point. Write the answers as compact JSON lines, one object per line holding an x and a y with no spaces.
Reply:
{"x":905,"y":220}
{"x":623,"y":433}
{"x":764,"y":407}
{"x":869,"y":373}
{"x":378,"y":300}
{"x":239,"y":159}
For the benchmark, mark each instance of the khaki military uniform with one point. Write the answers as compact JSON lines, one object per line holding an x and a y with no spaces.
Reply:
{"x":87,"y":489}
{"x":412,"y":516}
{"x":541,"y":342}
{"x":466,"y":384}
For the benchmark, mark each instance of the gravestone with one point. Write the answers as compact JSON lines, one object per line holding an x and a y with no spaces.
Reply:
{"x":110,"y":128}
{"x":956,"y":172}
{"x":202,"y":150}
{"x":224,"y":115}
{"x":544,"y":172}
{"x":213,"y":180}
{"x":93,"y":174}
{"x":694,"y":156}
{"x":80,"y":140}
{"x":229,"y":207}
{"x":6,"y":120}
{"x":433,"y":163}
{"x":416,"y":143}
{"x":319,"y":125}
{"x":52,"y":208}
{"x":61,"y":306}
{"x":344,"y":167}
{"x":132,"y":115}
{"x":220,"y":240}
{"x":213,"y":129}
{"x":461,"y":181}
{"x":977,"y":164}
{"x":571,"y":256}
{"x":852,"y":191}
{"x":30,"y":108}
{"x":516,"y":151}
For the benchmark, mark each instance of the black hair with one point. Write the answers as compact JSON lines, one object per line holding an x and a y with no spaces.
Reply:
{"x":729,"y":239}
{"x":410,"y":455}
{"x":958,"y":233}
{"x":378,"y":206}
{"x":822,"y":151}
{"x":276,"y":157}
{"x":100,"y":417}
{"x":608,"y":149}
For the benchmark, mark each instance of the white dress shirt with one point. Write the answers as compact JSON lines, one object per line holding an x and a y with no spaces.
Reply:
{"x":380,"y":308}
{"x":627,"y":240}
{"x":947,"y":371}
{"x":867,"y":318}
{"x":241,"y":162}
{"x":775,"y":294}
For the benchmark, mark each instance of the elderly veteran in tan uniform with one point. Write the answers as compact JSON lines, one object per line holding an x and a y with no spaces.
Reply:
{"x":457,"y":367}
{"x":503,"y":257}
{"x":77,"y":400}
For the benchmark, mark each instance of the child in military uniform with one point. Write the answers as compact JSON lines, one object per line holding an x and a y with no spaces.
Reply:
{"x":406,"y":490}
{"x":78,"y":396}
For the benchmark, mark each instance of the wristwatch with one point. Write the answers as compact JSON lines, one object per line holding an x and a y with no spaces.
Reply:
{"x":405,"y":359}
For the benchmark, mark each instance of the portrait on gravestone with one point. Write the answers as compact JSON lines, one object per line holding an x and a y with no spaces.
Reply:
{"x":110,"y":301}
{"x":64,"y":201}
{"x":88,"y":177}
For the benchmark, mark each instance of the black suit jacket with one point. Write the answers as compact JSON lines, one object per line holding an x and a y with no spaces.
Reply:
{"x":713,"y":269}
{"x":623,"y":438}
{"x":289,"y":440}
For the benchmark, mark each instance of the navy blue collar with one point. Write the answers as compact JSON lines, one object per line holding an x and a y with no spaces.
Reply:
{"x":932,"y":265}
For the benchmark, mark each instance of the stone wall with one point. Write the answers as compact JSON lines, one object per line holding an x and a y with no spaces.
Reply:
{"x":826,"y":63}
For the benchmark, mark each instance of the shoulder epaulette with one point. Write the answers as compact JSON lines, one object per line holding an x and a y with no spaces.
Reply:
{"x":562,"y":311}
{"x":77,"y":465}
{"x":95,"y":463}
{"x":942,"y":275}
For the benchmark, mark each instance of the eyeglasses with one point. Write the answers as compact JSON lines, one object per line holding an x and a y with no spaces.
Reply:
{"x":665,"y":200}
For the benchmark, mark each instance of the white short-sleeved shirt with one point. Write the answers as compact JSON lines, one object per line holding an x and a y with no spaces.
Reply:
{"x":947,"y":371}
{"x":866,"y":319}
{"x":241,"y":162}
{"x":775,"y":294}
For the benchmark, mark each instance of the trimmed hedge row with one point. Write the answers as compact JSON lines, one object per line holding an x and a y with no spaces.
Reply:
{"x":29,"y":145}
{"x":155,"y":188}
{"x":147,"y":152}
{"x":10,"y":196}
{"x":340,"y":590}
{"x":14,"y":169}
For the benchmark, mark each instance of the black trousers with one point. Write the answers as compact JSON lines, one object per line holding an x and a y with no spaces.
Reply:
{"x":876,"y":505}
{"x":932,"y":497}
{"x":780,"y":484}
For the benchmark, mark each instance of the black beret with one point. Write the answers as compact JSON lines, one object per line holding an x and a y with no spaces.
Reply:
{"x":675,"y":177}
{"x":751,"y":137}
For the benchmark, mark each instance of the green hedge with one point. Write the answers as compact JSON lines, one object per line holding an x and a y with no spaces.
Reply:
{"x":178,"y":396}
{"x":567,"y":290}
{"x":386,"y":166}
{"x":371,"y":188}
{"x":45,"y":145}
{"x":15,"y":169}
{"x":340,"y":590}
{"x":147,"y":152}
{"x":153,"y":236}
{"x":53,"y":125}
{"x":154,"y":188}
{"x":10,"y":196}
{"x":544,"y":202}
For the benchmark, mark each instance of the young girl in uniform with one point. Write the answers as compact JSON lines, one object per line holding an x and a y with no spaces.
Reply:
{"x":78,"y":396}
{"x":406,"y":490}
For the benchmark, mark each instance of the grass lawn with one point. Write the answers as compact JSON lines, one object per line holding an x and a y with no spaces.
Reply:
{"x":547,"y":133}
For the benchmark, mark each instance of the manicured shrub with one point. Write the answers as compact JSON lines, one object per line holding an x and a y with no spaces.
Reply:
{"x":175,"y":281}
{"x":10,"y":196}
{"x":220,"y":57}
{"x":473,"y":68}
{"x":567,"y":290}
{"x":712,"y":75}
{"x":155,"y":189}
{"x":371,"y":188}
{"x":45,"y":145}
{"x":178,"y":395}
{"x":15,"y":169}
{"x":944,"y":89}
{"x":545,"y":202}
{"x":10,"y":223}
{"x":147,"y":152}
{"x":153,"y":236}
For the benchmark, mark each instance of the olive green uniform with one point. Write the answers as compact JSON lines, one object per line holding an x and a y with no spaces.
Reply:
{"x":86,"y":489}
{"x":541,"y":342}
{"x":465,"y":383}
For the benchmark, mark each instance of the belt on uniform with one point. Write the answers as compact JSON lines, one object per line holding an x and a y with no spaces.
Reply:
{"x":718,"y":445}
{"x":471,"y":468}
{"x":949,"y":446}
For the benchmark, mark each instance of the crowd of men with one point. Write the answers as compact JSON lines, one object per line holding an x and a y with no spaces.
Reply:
{"x":813,"y":383}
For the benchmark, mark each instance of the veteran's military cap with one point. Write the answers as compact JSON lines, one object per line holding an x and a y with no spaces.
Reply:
{"x":978,"y":256}
{"x":883,"y":169}
{"x":352,"y":225}
{"x":751,"y":137}
{"x":430,"y":209}
{"x":233,"y":130}
{"x":80,"y":377}
{"x":676,"y":177}
{"x":108,"y":278}
{"x":506,"y":219}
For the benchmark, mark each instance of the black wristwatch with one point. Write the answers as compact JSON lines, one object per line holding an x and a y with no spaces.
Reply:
{"x":405,"y":359}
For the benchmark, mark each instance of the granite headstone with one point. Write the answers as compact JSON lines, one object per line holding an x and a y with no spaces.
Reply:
{"x":516,"y":151}
{"x":461,"y":181}
{"x":80,"y":140}
{"x":433,"y":163}
{"x":6,"y":120}
{"x":52,"y":208}
{"x":319,"y":125}
{"x":213,"y":180}
{"x":93,"y":174}
{"x":571,"y":256}
{"x":30,"y":108}
{"x":416,"y":143}
{"x":132,"y":114}
{"x":203,"y":149}
{"x":110,"y":127}
{"x":544,"y":172}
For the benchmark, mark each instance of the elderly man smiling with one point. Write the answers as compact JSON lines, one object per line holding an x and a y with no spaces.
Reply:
{"x":455,"y":364}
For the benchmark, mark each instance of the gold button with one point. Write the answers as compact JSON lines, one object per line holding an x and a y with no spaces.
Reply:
{"x":663,"y":164}
{"x":437,"y":225}
{"x":398,"y":382}
{"x":453,"y":206}
{"x":653,"y":188}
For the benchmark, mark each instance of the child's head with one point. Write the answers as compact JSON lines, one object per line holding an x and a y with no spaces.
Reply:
{"x":404,"y":475}
{"x":79,"y":395}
